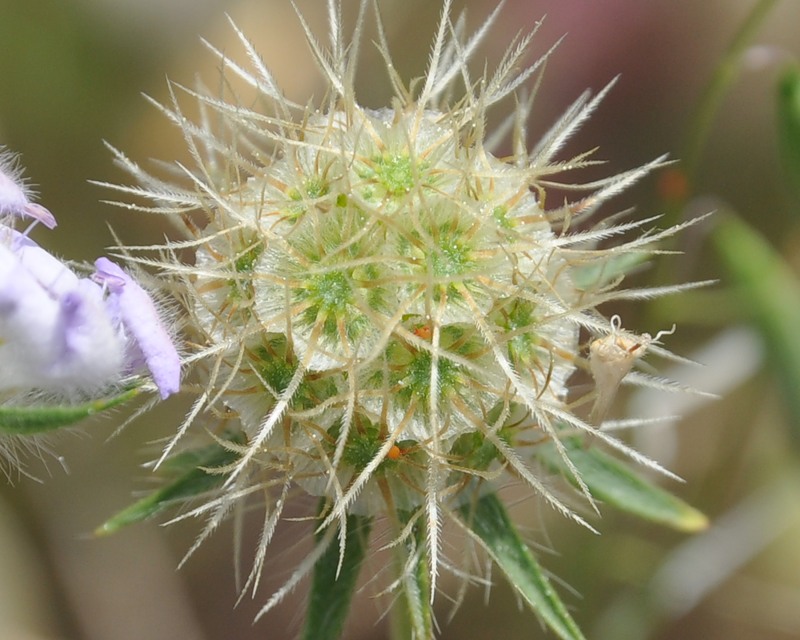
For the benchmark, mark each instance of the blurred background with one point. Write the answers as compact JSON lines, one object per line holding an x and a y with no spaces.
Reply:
{"x":72,"y":74}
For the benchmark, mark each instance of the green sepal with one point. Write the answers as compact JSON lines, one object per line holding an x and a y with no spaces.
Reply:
{"x":333,"y":584}
{"x":194,"y":475}
{"x":21,"y":420}
{"x":789,"y":124}
{"x":769,"y":290}
{"x":489,"y":521}
{"x":617,"y":484}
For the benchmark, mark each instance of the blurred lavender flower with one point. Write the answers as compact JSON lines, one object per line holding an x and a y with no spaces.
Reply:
{"x":64,"y":334}
{"x":56,"y":334}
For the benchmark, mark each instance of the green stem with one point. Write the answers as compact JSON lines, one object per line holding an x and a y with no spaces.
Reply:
{"x":411,"y":614}
{"x":400,"y":620}
{"x":707,"y":108}
{"x":36,"y":419}
{"x":723,"y":77}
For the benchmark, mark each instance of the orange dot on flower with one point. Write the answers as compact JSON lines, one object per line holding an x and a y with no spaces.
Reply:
{"x":423,"y":331}
{"x":394,"y":453}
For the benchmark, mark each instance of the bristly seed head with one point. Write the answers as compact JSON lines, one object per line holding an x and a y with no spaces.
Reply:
{"x":382,"y":304}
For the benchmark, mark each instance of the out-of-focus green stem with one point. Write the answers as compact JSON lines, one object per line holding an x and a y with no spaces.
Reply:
{"x":704,"y":114}
{"x":770,"y":291}
{"x":723,"y":77}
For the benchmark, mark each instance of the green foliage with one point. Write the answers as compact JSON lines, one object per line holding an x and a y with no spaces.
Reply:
{"x":769,"y":291}
{"x":789,"y":126}
{"x":26,"y":420}
{"x":489,"y":521}
{"x":334,"y":581}
{"x":195,"y":473}
{"x":615,"y":483}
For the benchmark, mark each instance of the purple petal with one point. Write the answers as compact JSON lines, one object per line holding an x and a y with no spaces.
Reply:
{"x":81,"y":318}
{"x":48,"y":270}
{"x":140,"y":318}
{"x":14,"y":199}
{"x":60,"y":343}
{"x":26,"y":310}
{"x":40,"y":214}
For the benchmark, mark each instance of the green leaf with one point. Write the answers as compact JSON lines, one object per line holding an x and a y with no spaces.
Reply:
{"x":617,"y":484}
{"x":29,"y":420}
{"x":488,"y":519}
{"x":770,"y":291}
{"x":333,"y":585}
{"x":789,"y":124}
{"x":595,"y":276}
{"x":195,"y":476}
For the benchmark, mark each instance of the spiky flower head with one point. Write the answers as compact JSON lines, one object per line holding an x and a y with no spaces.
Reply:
{"x":384,"y":311}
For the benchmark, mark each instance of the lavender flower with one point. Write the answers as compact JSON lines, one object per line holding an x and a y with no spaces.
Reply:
{"x":56,"y":335}
{"x":66,"y":334}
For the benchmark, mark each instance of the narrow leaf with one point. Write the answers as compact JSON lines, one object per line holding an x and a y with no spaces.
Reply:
{"x":333,"y":585}
{"x":196,"y":478}
{"x":29,"y":420}
{"x":770,"y":291}
{"x":619,"y":485}
{"x":487,"y":518}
